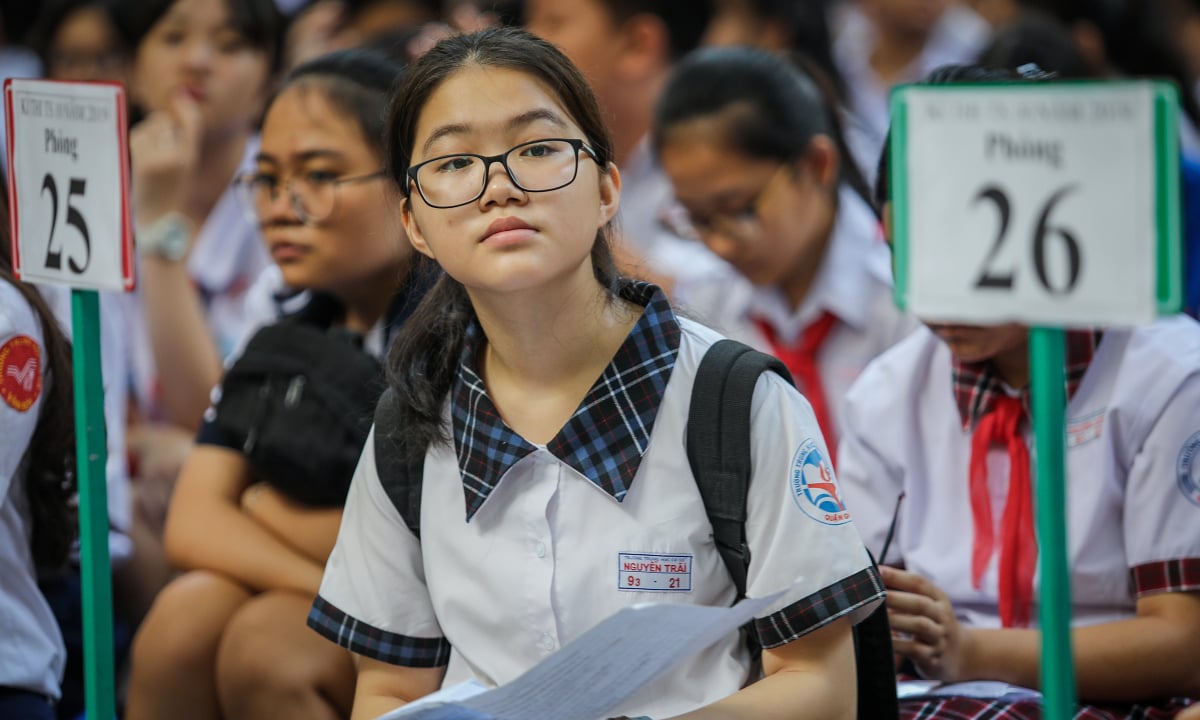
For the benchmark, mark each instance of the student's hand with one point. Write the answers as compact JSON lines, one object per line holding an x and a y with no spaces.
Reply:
{"x":924,"y":626}
{"x":163,"y":151}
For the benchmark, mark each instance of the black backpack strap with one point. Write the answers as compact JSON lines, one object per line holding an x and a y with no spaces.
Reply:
{"x":718,"y":450}
{"x":400,"y":475}
{"x":718,"y":444}
{"x":875,"y":665}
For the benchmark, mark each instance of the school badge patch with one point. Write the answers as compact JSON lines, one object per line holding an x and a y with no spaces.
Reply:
{"x":1187,"y":469}
{"x":20,"y":372}
{"x":813,"y":487}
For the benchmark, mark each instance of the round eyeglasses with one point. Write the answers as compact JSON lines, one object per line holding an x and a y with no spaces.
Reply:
{"x":740,"y":225}
{"x":312,"y":195}
{"x":451,"y":181}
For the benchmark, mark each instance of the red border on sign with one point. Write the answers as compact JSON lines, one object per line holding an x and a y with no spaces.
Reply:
{"x":127,"y":265}
{"x":12,"y":181}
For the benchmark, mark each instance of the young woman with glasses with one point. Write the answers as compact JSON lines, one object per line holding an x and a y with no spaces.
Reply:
{"x":753,"y":148}
{"x":545,"y":397}
{"x":227,"y":638}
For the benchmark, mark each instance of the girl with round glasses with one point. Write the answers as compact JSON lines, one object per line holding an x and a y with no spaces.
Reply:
{"x":752,"y":145}
{"x":543,"y":398}
{"x":252,"y":541}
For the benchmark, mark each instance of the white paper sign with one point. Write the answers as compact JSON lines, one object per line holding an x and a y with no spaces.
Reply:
{"x":1031,"y":203}
{"x":68,"y":178}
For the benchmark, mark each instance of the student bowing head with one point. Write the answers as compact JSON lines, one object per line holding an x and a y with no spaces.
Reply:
{"x":1004,"y":346}
{"x":751,"y":143}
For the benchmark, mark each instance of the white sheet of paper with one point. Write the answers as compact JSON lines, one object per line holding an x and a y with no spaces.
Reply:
{"x":602,"y":668}
{"x":454,"y":693}
{"x":914,"y":688}
{"x":985,"y":689}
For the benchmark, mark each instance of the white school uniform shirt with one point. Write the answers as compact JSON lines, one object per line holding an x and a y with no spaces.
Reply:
{"x":553,"y":536}
{"x":1132,"y":475}
{"x":227,"y":256}
{"x":32,"y":654}
{"x":854,"y":282}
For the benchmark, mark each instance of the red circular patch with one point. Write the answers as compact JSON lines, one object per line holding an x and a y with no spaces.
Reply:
{"x":20,"y":372}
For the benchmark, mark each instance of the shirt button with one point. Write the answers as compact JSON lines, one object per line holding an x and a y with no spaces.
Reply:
{"x":547,"y":642}
{"x":540,"y":549}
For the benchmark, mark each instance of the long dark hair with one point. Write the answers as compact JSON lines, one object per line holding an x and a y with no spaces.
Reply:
{"x":775,"y":105}
{"x":50,"y":474}
{"x":424,"y":356}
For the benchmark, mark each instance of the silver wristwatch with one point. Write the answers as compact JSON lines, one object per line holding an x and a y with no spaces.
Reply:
{"x":166,"y":238}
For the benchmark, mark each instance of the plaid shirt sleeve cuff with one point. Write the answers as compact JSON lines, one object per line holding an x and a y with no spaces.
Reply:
{"x":363,"y":639}
{"x":1179,"y":575}
{"x":863,"y":588}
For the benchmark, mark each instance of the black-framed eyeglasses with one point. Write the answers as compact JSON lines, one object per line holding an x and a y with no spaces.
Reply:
{"x":451,"y":181}
{"x":740,"y":225}
{"x":312,"y":195}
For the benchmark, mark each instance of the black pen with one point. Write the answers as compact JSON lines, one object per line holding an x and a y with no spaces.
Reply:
{"x":887,"y":541}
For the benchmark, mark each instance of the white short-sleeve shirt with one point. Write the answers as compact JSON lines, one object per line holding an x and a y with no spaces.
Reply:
{"x":1133,"y":471}
{"x":854,"y":282}
{"x":521,"y":551}
{"x":32,"y":654}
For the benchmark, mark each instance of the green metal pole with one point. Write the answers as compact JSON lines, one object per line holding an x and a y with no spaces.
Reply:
{"x":91,"y":455}
{"x":1047,"y":360}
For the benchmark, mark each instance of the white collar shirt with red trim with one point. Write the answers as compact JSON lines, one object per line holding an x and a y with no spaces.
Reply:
{"x":1133,"y":471}
{"x":853,"y":282}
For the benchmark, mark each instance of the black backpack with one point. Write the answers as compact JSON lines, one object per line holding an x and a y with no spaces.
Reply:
{"x":298,"y":404}
{"x":718,"y":435}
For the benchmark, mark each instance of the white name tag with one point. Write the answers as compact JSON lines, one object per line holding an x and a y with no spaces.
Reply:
{"x":654,"y":573}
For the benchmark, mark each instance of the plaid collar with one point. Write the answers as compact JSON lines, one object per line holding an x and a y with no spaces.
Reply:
{"x":604,"y":440}
{"x":977,"y":387}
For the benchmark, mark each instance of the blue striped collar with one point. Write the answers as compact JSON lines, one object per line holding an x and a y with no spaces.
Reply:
{"x":604,"y":439}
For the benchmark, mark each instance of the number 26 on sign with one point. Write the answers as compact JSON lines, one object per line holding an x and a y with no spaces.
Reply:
{"x":992,"y":276}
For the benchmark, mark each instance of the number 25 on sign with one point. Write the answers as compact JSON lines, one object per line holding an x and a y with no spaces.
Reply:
{"x":1053,"y":204}
{"x":68,"y":183}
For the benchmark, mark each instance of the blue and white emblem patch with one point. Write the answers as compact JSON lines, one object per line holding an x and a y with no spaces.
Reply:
{"x":813,"y":486}
{"x":1187,"y":469}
